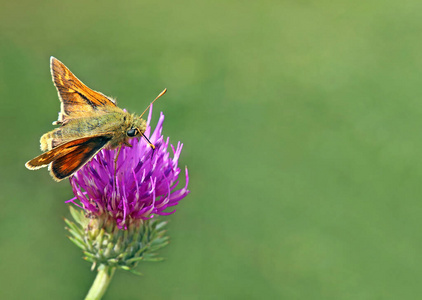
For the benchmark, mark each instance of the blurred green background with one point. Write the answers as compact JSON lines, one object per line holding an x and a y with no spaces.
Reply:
{"x":301,"y":122}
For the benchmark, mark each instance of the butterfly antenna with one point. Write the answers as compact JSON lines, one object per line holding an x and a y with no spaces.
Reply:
{"x":150,"y":144}
{"x":162,"y":93}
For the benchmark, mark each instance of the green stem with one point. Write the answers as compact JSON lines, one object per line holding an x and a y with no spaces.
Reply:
{"x":101,"y":282}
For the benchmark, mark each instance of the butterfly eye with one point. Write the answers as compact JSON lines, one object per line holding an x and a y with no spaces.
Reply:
{"x":132,"y":132}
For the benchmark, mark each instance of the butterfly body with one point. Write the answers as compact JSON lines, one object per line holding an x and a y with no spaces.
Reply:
{"x":116,"y":124}
{"x":89,"y":121}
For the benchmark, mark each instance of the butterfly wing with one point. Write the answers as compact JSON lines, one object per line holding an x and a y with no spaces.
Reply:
{"x":77,"y":100}
{"x":66,"y":159}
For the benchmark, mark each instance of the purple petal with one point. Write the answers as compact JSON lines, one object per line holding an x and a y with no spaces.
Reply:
{"x":145,"y":184}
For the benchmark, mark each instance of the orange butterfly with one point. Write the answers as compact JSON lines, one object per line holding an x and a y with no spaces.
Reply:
{"x":89,"y":121}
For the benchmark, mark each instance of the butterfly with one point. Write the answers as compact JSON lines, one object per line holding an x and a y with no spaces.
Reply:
{"x":88,"y":122}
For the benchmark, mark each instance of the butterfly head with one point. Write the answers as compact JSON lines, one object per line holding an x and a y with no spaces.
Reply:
{"x":136,"y":127}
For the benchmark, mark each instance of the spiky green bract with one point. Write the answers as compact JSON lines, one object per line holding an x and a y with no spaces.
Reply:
{"x":104,"y":244}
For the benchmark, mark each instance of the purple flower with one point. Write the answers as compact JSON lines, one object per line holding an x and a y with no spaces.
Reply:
{"x":145,"y":182}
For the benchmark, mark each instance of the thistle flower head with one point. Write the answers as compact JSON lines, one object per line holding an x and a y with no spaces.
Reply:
{"x":144,"y":183}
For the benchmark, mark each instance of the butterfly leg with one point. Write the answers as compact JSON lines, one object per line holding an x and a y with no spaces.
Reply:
{"x":115,"y":163}
{"x":117,"y":157}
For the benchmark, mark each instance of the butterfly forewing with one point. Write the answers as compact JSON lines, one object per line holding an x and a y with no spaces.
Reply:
{"x":81,"y":153}
{"x":67,"y":158}
{"x":77,"y":99}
